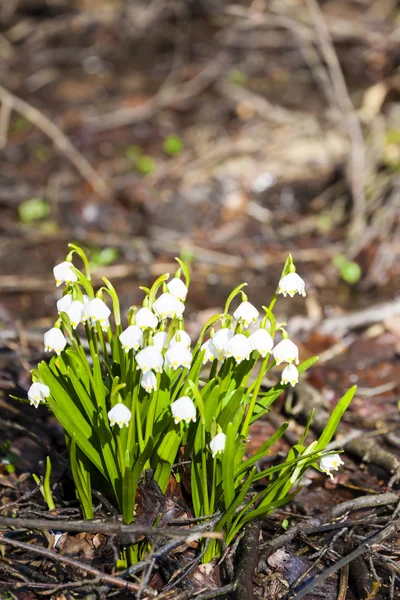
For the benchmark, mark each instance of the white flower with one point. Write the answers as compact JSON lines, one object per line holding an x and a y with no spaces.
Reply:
{"x":119,"y":414}
{"x":286,"y":351}
{"x":150,"y":358}
{"x":75,"y":312}
{"x":261,"y":341}
{"x":54,"y":340}
{"x":64,"y":274}
{"x":330,"y":463}
{"x":217,"y":444}
{"x":149,"y":381}
{"x":221,"y":338}
{"x":183,"y":409}
{"x":290,"y":375}
{"x":239,"y":347}
{"x":64,"y":303}
{"x":146,"y":319}
{"x":184,"y":339}
{"x":131,"y":338}
{"x":247,"y":313}
{"x":167,"y":306}
{"x":178,"y":355}
{"x":178,"y":289}
{"x":160,"y":339}
{"x":38,"y":392}
{"x":211,"y":353}
{"x":97,"y":310}
{"x":86,"y":301}
{"x":291,"y":284}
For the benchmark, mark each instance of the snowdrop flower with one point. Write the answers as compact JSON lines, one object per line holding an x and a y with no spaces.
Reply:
{"x":146,"y":319}
{"x":178,"y":355}
{"x":54,"y":340}
{"x":97,"y":310}
{"x":149,"y":381}
{"x":159,"y":340}
{"x":247,"y":313}
{"x":131,"y":338}
{"x":165,"y":306}
{"x":183,"y":409}
{"x":261,"y":341}
{"x":37,"y":393}
{"x":239,"y":347}
{"x":211,"y":353}
{"x":291,"y":284}
{"x":119,"y":414}
{"x":178,"y":289}
{"x":86,"y":301}
{"x":286,"y":351}
{"x":290,"y":375}
{"x":184,"y":339}
{"x":75,"y":312}
{"x":330,"y":463}
{"x":217,"y":444}
{"x":149,"y":358}
{"x":64,"y":303}
{"x":64,"y":274}
{"x":221,"y":338}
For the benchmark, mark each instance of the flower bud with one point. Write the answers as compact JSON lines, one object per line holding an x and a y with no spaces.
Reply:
{"x":246,"y":313}
{"x":38,"y":392}
{"x":146,"y":319}
{"x":286,"y":351}
{"x":217,"y":444}
{"x":120,"y":415}
{"x":178,"y":355}
{"x":64,"y":274}
{"x":261,"y":341}
{"x":239,"y":347}
{"x":330,"y":463}
{"x":291,"y":284}
{"x":149,"y":358}
{"x":54,"y":340}
{"x":290,"y":375}
{"x":183,"y":409}
{"x":149,"y":381}
{"x":131,"y":338}
{"x":178,"y":289}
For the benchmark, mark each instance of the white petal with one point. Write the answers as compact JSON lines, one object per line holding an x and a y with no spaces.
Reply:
{"x":120,"y":415}
{"x":217,"y":444}
{"x":291,"y":284}
{"x":183,"y":409}
{"x":178,"y":289}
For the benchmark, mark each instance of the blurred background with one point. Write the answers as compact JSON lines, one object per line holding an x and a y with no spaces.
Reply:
{"x":226,"y":133}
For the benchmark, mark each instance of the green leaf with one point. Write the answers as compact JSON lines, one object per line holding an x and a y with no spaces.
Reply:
{"x":263,"y":451}
{"x":228,"y":466}
{"x":334,"y":419}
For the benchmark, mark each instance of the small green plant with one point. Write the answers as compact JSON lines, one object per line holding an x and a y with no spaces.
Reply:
{"x":349,"y":270}
{"x":141,"y":398}
{"x":32,"y":210}
{"x":173,"y":145}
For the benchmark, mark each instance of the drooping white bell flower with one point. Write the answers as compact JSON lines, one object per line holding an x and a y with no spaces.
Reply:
{"x":146,"y":319}
{"x":64,"y":303}
{"x":239,"y":347}
{"x":64,"y":274}
{"x":160,"y":340}
{"x":183,"y":409}
{"x":178,"y":289}
{"x":261,"y":341}
{"x":86,"y":301}
{"x":290,"y":375}
{"x":247,"y":313}
{"x":131,"y":338}
{"x":149,"y":358}
{"x":178,"y":355}
{"x":149,"y":381}
{"x":211,"y":353}
{"x":120,"y":415}
{"x":75,"y":312}
{"x":221,"y":338}
{"x":286,"y":351}
{"x":166,"y":306}
{"x":217,"y":444}
{"x":184,"y":339}
{"x":54,"y":340}
{"x":330,"y":463}
{"x":97,"y":310}
{"x":291,"y":284}
{"x":37,"y":393}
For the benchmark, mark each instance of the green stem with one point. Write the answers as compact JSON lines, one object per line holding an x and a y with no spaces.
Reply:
{"x":263,"y":369}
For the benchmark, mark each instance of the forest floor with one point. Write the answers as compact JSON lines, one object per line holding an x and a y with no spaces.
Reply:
{"x":229,"y":134}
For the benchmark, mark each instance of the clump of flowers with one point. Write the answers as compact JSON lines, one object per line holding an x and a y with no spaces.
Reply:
{"x":144,"y":397}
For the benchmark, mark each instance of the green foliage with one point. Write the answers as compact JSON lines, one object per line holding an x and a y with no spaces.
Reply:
{"x":173,"y":145}
{"x":349,"y":270}
{"x":33,"y":210}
